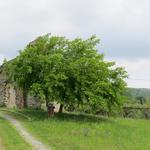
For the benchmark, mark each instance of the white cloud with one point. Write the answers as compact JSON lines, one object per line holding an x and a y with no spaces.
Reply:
{"x":138,"y":70}
{"x":122,"y":25}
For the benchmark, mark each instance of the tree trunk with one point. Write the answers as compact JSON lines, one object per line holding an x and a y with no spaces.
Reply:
{"x":46,"y":103}
{"x":61,"y":108}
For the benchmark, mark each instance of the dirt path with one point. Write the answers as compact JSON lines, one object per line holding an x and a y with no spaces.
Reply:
{"x":37,"y":145}
{"x":1,"y":145}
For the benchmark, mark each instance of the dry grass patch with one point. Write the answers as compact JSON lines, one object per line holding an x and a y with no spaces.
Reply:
{"x":1,"y":145}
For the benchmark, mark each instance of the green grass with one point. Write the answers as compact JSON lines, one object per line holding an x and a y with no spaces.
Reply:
{"x":10,"y":139}
{"x":87,"y":132}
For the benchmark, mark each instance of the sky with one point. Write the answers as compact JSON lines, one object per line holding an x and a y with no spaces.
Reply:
{"x":123,"y":27}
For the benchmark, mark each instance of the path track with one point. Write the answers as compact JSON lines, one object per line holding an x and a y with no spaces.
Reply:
{"x":1,"y":145}
{"x":37,"y":145}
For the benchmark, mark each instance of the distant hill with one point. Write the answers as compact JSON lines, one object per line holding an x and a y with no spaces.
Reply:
{"x":138,"y":92}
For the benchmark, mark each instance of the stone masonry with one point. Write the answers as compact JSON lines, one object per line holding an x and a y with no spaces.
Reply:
{"x":13,"y":97}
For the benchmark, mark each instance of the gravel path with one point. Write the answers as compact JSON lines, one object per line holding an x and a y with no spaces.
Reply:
{"x":37,"y":145}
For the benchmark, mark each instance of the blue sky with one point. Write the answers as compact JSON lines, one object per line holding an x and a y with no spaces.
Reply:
{"x":122,"y":25}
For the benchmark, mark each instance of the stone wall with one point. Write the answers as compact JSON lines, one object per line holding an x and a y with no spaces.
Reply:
{"x":12,"y":97}
{"x":2,"y":93}
{"x":2,"y":87}
{"x":33,"y":102}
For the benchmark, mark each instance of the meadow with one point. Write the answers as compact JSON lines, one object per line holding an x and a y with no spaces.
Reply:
{"x":72,"y":131}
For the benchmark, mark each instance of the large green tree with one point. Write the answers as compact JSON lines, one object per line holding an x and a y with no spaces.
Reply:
{"x":69,"y":72}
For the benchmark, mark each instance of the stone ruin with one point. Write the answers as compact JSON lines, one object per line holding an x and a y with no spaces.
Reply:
{"x":13,"y":97}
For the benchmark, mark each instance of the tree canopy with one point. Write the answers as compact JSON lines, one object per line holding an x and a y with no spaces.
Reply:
{"x":69,"y":72}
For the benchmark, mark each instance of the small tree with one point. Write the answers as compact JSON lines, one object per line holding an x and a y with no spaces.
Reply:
{"x":69,"y":72}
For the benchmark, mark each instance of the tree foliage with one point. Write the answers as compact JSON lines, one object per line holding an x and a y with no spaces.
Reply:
{"x":71,"y":72}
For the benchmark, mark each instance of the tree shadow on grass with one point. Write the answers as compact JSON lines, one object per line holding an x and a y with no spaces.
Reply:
{"x":81,"y":118}
{"x":42,"y":115}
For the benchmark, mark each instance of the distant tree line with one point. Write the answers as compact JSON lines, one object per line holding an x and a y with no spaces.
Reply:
{"x":137,"y":96}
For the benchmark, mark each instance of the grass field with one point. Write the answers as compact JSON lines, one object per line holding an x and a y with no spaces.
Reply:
{"x":10,"y":139}
{"x":85,"y":132}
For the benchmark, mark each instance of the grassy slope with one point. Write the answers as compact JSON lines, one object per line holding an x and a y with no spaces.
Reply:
{"x":79,"y":132}
{"x":11,"y":140}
